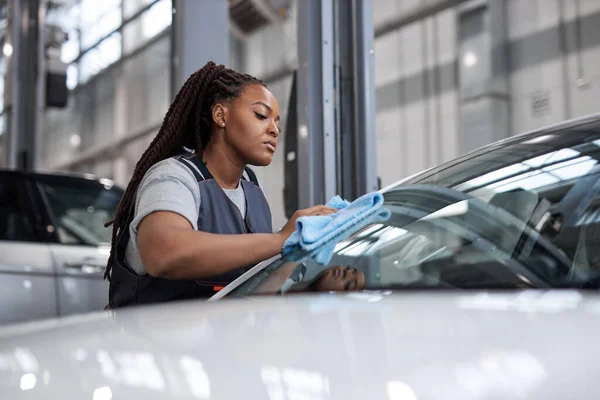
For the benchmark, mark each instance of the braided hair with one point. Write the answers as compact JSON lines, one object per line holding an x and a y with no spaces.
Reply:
{"x":188,"y":123}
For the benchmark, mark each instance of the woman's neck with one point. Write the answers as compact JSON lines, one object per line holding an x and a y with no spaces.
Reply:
{"x":226,"y":170}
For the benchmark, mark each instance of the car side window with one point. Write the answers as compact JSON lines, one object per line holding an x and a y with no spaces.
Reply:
{"x":80,"y":210}
{"x":15,"y":222}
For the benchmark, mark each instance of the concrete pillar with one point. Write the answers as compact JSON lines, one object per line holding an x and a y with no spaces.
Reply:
{"x":21,"y":97}
{"x":336,"y":101}
{"x":483,"y":73}
{"x":201,"y":34}
{"x":317,"y":148}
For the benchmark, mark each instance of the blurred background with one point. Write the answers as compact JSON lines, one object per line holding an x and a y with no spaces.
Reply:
{"x":449,"y":76}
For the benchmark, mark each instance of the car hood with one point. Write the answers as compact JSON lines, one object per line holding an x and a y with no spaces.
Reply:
{"x":531,"y":344}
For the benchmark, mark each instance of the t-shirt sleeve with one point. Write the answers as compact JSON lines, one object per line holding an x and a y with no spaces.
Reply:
{"x":168,"y":186}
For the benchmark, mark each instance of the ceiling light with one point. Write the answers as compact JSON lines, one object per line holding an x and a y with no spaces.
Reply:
{"x":470,"y":59}
{"x":8,"y":49}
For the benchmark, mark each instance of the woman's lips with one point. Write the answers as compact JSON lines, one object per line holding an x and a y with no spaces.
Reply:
{"x":271,"y":146}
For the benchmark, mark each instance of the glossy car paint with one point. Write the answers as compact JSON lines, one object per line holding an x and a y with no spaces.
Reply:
{"x":428,"y":345}
{"x":27,"y":282}
{"x":80,"y":277}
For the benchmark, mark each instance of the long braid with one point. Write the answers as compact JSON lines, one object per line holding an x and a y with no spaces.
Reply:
{"x":187,"y":123}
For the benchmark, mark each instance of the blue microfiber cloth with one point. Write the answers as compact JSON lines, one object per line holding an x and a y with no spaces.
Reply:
{"x":318,"y":235}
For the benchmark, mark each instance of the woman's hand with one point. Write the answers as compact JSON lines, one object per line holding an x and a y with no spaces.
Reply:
{"x":290,"y":226}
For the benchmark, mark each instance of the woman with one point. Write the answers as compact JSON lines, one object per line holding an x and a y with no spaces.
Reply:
{"x":181,"y":229}
{"x":333,"y":279}
{"x":290,"y":277}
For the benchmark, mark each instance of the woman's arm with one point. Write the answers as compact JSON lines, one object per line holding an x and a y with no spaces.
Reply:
{"x":170,"y":248}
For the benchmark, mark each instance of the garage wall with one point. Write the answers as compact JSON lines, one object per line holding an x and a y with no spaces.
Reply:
{"x":550,"y":83}
{"x":417,"y":87}
{"x":418,"y":106}
{"x":123,"y":99}
{"x":416,"y":92}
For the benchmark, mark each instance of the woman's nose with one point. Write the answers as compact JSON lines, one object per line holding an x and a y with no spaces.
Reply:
{"x":273,"y":130}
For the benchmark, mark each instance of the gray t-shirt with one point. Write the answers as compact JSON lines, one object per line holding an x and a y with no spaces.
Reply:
{"x":169,"y":186}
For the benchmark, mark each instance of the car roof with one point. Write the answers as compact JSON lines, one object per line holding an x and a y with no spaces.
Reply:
{"x":58,"y":175}
{"x":375,"y":345}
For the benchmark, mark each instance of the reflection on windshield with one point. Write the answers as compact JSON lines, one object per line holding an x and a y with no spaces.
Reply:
{"x":535,"y":173}
{"x":525,"y":215}
{"x":80,"y":211}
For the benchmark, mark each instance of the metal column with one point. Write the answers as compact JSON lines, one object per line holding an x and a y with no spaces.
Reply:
{"x":365,"y":151}
{"x":317,"y":172}
{"x":41,"y":89}
{"x":336,"y":100}
{"x":197,"y":25}
{"x":22,"y":104}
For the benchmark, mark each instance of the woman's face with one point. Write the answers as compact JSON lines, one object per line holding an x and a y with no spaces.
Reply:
{"x":339,"y":278}
{"x":252,"y":125}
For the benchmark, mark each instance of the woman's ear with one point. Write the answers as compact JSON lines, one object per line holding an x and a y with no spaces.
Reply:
{"x":219,"y":115}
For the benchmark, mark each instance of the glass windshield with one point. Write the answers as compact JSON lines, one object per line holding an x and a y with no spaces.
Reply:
{"x":523,"y":214}
{"x":81,"y":208}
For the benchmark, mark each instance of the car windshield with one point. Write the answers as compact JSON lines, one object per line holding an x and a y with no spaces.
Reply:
{"x":524,"y":213}
{"x":81,"y":208}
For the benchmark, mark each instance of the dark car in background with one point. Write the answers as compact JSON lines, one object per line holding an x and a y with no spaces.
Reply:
{"x":53,"y":243}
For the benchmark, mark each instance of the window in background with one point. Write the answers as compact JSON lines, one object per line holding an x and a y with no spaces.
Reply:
{"x":70,"y":49}
{"x":98,"y":19}
{"x":72,"y":76}
{"x":88,"y":22}
{"x":157,"y":18}
{"x":100,"y":57}
{"x":130,"y":7}
{"x":151,"y":23}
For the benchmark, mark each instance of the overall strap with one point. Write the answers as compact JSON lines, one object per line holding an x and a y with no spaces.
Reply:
{"x":202,"y":173}
{"x":251,"y":176}
{"x":192,"y":162}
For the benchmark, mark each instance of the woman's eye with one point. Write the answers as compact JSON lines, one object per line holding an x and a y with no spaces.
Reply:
{"x":260,"y":116}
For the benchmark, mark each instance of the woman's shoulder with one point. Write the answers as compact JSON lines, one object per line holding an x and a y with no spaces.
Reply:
{"x":170,"y":167}
{"x":170,"y":170}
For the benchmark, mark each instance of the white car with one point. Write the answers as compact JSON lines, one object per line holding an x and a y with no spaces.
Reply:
{"x":521,"y":213}
{"x":407,"y":309}
{"x":351,"y":346}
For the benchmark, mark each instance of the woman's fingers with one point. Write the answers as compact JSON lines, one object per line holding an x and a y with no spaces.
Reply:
{"x":319,"y":210}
